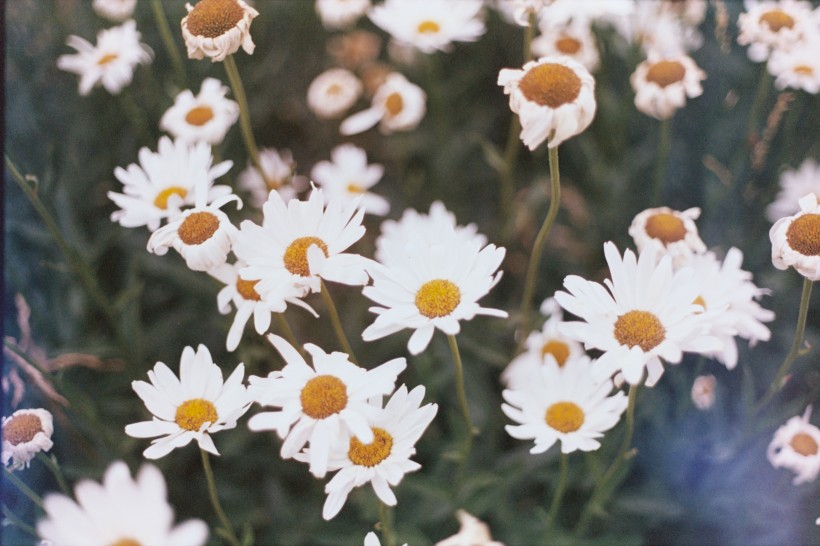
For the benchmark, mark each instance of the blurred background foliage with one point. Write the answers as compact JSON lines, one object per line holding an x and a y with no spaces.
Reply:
{"x":695,"y":478}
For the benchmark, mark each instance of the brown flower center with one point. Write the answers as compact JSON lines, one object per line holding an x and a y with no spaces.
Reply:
{"x":394,"y":104}
{"x":213,"y":18}
{"x":161,"y":200}
{"x":246,"y":289}
{"x":777,"y":19}
{"x":567,"y":45}
{"x":665,"y":73}
{"x":107,"y":58}
{"x":198,"y":227}
{"x":296,"y":255}
{"x":550,"y":84}
{"x":333,"y":89}
{"x":803,"y":70}
{"x":191,"y":414}
{"x":640,"y":328}
{"x":665,"y":227}
{"x":323,"y":396}
{"x":437,"y":298}
{"x":558,"y":349}
{"x":126,"y":542}
{"x":428,"y":27}
{"x":371,"y":454}
{"x":22,"y":428}
{"x":564,"y":417}
{"x":804,"y":444}
{"x":199,"y":115}
{"x":803,"y":234}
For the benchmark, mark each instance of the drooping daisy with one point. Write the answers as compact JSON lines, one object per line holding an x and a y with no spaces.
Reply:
{"x":662,"y":85}
{"x":473,"y":532}
{"x":553,"y":96}
{"x":398,"y":105}
{"x":164,"y":182}
{"x":796,"y":239}
{"x":26,"y":432}
{"x":349,"y":176}
{"x":575,"y":41}
{"x":567,"y":404}
{"x":114,"y":10}
{"x":430,"y":25}
{"x":333,"y":92}
{"x":205,"y":117}
{"x":794,"y":184}
{"x":319,"y":405}
{"x":768,"y":25}
{"x":797,"y":68}
{"x":218,"y":28}
{"x":647,"y":315}
{"x":796,"y":446}
{"x":118,"y":511}
{"x":703,"y":391}
{"x":110,"y":62}
{"x":279,"y":169}
{"x":674,"y":230}
{"x":340,"y":14}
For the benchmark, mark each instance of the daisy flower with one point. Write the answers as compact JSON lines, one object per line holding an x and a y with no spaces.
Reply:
{"x":473,"y":532}
{"x":674,"y":230}
{"x":519,"y":11}
{"x":348,"y":176}
{"x":163,"y":182}
{"x":26,"y":432}
{"x":217,"y":28}
{"x":191,"y":407}
{"x":796,"y":239}
{"x":614,"y":12}
{"x":333,"y":92}
{"x":120,"y":510}
{"x":648,"y":314}
{"x":114,"y":10}
{"x":319,"y":405}
{"x":663,"y":28}
{"x":430,"y":25}
{"x":398,"y":105}
{"x":769,"y":25}
{"x":354,"y":50}
{"x":703,"y":391}
{"x":553,"y":96}
{"x":340,"y":14}
{"x":798,"y":68}
{"x":796,"y":446}
{"x":575,"y":41}
{"x":794,"y":184}
{"x":205,"y":117}
{"x":662,"y":85}
{"x":110,"y":62}
{"x":279,"y":167}
{"x":565,"y":404}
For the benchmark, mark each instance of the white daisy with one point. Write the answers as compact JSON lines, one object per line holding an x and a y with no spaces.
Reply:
{"x":163,"y":182}
{"x":191,"y":407}
{"x":333,"y":92}
{"x":796,"y":446}
{"x":564,"y":403}
{"x":575,"y":41}
{"x":662,"y":84}
{"x":205,"y":117}
{"x":664,"y":28}
{"x":218,"y":28}
{"x":674,"y":230}
{"x":110,"y":62}
{"x":647,"y":315}
{"x":398,"y":105}
{"x":769,"y":25}
{"x":340,"y":14}
{"x":279,"y":167}
{"x":703,"y":391}
{"x":519,"y":11}
{"x":473,"y":532}
{"x":797,"y":68}
{"x":118,"y":511}
{"x":561,"y":12}
{"x":114,"y":10}
{"x":796,"y":239}
{"x":26,"y":432}
{"x":348,"y":176}
{"x":319,"y":405}
{"x":794,"y":184}
{"x":553,"y":96}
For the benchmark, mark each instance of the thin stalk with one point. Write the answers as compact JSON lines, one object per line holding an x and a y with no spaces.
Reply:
{"x":11,"y":518}
{"x":763,"y":87}
{"x":529,"y":34}
{"x":136,"y":115}
{"x":664,"y":146}
{"x":558,"y":496}
{"x":168,"y":41}
{"x":228,"y":529}
{"x":54,"y":467}
{"x":24,"y":489}
{"x":386,"y":524}
{"x":287,"y":332}
{"x":462,"y":400}
{"x":245,"y":116}
{"x":337,"y":323}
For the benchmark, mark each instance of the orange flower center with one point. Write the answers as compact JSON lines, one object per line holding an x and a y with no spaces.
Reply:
{"x":333,"y":89}
{"x":665,"y":73}
{"x":354,"y":188}
{"x":323,"y":396}
{"x":428,"y":27}
{"x":550,"y":84}
{"x":246,"y":289}
{"x":371,"y":454}
{"x":558,"y":349}
{"x":567,"y":45}
{"x":665,"y":227}
{"x":198,"y":227}
{"x":640,"y":328}
{"x":564,"y":417}
{"x":437,"y":298}
{"x":803,"y":70}
{"x":296,"y":255}
{"x":192,"y":414}
{"x":700,"y":301}
{"x":22,"y":428}
{"x":107,"y":58}
{"x":777,"y":19}
{"x":213,"y":18}
{"x":126,"y":542}
{"x":803,"y":234}
{"x":394,"y":104}
{"x":161,"y":200}
{"x":804,"y":444}
{"x":199,"y":115}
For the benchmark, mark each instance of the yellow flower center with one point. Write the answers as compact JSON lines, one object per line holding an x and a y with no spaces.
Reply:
{"x":371,"y":454}
{"x":665,"y":227}
{"x":437,"y":298}
{"x":213,"y":18}
{"x":161,"y":200}
{"x":640,"y":328}
{"x":191,"y":414}
{"x":394,"y":104}
{"x":198,"y":227}
{"x":246,"y":289}
{"x":558,"y":349}
{"x":126,"y":542}
{"x":803,"y":234}
{"x":665,"y":73}
{"x":199,"y":115}
{"x":567,"y":45}
{"x":550,"y":84}
{"x":428,"y":27}
{"x":323,"y":396}
{"x":804,"y":444}
{"x":777,"y":19}
{"x":803,"y":70}
{"x":22,"y":428}
{"x":564,"y":417}
{"x":107,"y":58}
{"x":296,"y":255}
{"x":354,"y":188}
{"x":333,"y":89}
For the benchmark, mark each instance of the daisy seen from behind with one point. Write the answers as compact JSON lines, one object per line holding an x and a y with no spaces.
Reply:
{"x":341,"y":14}
{"x":796,"y":446}
{"x":114,"y":10}
{"x":676,"y":232}
{"x":205,"y":117}
{"x":472,"y":532}
{"x":794,"y":184}
{"x":348,"y":176}
{"x":218,"y":28}
{"x":26,"y":432}
{"x":397,"y":105}
{"x":662,"y":84}
{"x":278,"y":168}
{"x":191,"y":407}
{"x":796,"y":239}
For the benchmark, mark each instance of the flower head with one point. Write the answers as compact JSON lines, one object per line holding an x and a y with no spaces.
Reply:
{"x":26,"y":432}
{"x":796,"y":239}
{"x":114,"y":10}
{"x":662,"y":85}
{"x":333,"y":92}
{"x":798,"y":67}
{"x":796,"y":446}
{"x":278,"y":167}
{"x":703,"y":391}
{"x":348,"y":176}
{"x":217,"y":28}
{"x":769,"y":25}
{"x":205,"y":117}
{"x":575,"y":41}
{"x":674,"y":230}
{"x":794,"y":184}
{"x":340,"y":14}
{"x":473,"y":532}
{"x":398,"y":105}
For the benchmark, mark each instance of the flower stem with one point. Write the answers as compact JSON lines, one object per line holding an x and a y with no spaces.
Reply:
{"x":462,"y":400}
{"x":24,"y":489}
{"x":664,"y":145}
{"x":337,"y":323}
{"x":245,"y":117}
{"x":287,"y":332}
{"x":168,"y":41}
{"x":10,"y":518}
{"x":386,"y":524}
{"x":136,"y":115}
{"x":227,"y":529}
{"x":558,"y":496}
{"x":54,"y":467}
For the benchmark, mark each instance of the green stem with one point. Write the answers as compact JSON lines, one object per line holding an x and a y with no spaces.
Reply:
{"x":462,"y":400}
{"x":137,"y":116}
{"x":245,"y":117}
{"x":558,"y":496}
{"x":228,"y":532}
{"x":52,"y":464}
{"x":24,"y":489}
{"x":168,"y":41}
{"x":386,"y":524}
{"x":529,"y":34}
{"x":763,"y":87}
{"x":337,"y":323}
{"x":287,"y":332}
{"x":11,"y":518}
{"x":664,"y":146}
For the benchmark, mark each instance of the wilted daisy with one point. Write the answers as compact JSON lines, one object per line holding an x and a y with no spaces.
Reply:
{"x":333,"y":92}
{"x":473,"y":532}
{"x":703,"y":391}
{"x":118,"y":511}
{"x":398,"y":105}
{"x":110,"y":62}
{"x":674,"y":230}
{"x":768,"y":25}
{"x":795,"y":184}
{"x":340,"y":14}
{"x":205,"y":117}
{"x":553,"y":96}
{"x":575,"y":41}
{"x":662,"y":85}
{"x":279,"y":167}
{"x":796,"y":239}
{"x":26,"y":432}
{"x":647,"y":315}
{"x":430,"y":25}
{"x":796,"y":446}
{"x":114,"y":10}
{"x":348,"y":176}
{"x":217,"y":28}
{"x":165,"y":181}
{"x":322,"y":404}
{"x":797,"y":68}
{"x":191,"y":407}
{"x":564,"y":403}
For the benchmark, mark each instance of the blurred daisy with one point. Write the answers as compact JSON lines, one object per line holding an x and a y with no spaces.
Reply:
{"x":574,"y":41}
{"x":279,"y":167}
{"x":192,"y":407}
{"x":565,"y":404}
{"x":205,"y":117}
{"x":473,"y":532}
{"x":319,"y":405}
{"x":798,"y":68}
{"x":553,"y":96}
{"x":355,"y":49}
{"x":118,"y":511}
{"x":648,"y":314}
{"x":794,"y":184}
{"x":430,"y":25}
{"x":164,"y":182}
{"x":26,"y":432}
{"x":796,"y":446}
{"x":114,"y":10}
{"x":703,"y":392}
{"x":662,"y":85}
{"x":796,"y":239}
{"x":561,"y":12}
{"x":110,"y":62}
{"x":398,"y":105}
{"x":217,"y":28}
{"x":664,"y":28}
{"x":333,"y":92}
{"x":348,"y":176}
{"x":520,"y":11}
{"x":768,"y":25}
{"x":340,"y":14}
{"x":674,"y":230}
